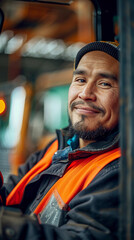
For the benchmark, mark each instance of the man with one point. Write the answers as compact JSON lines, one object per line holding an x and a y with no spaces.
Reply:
{"x":72,"y":185}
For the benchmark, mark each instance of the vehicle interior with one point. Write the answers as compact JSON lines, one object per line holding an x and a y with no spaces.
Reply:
{"x":38,"y":43}
{"x":39,"y":40}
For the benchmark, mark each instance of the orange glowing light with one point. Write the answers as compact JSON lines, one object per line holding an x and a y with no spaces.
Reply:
{"x":2,"y":106}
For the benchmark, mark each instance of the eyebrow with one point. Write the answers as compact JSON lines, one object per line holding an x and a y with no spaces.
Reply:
{"x":109,"y":76}
{"x":79,"y":72}
{"x":104,"y":75}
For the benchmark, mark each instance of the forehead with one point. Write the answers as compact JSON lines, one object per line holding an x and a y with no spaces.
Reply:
{"x":98,"y":59}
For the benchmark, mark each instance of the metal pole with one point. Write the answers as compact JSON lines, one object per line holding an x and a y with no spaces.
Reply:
{"x":126,"y":23}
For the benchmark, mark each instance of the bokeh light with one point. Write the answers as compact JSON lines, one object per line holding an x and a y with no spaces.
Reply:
{"x":2,"y":106}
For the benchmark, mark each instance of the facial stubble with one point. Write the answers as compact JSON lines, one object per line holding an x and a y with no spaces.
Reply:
{"x":85,"y":133}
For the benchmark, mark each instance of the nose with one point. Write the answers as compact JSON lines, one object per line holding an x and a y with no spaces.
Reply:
{"x":88,"y":92}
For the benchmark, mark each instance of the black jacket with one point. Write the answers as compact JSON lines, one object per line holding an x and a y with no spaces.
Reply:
{"x":93,"y":212}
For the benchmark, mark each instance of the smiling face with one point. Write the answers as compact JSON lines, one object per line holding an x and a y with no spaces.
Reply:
{"x":93,"y":101}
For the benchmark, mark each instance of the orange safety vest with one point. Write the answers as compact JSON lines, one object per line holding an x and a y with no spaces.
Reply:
{"x":77,"y":176}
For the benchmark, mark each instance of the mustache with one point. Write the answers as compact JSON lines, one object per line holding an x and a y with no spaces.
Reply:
{"x":89,"y":104}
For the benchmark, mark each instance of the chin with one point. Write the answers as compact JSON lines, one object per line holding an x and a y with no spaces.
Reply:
{"x":96,"y":132}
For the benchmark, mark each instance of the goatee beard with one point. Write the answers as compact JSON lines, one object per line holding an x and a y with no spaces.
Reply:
{"x":86,"y":134}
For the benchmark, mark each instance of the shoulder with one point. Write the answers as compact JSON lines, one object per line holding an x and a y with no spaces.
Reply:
{"x":23,"y":169}
{"x":105,"y":184}
{"x":35,"y":158}
{"x":109,"y":170}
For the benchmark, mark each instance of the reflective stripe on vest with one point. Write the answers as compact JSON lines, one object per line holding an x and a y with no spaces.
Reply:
{"x":16,"y":194}
{"x":76,"y":178}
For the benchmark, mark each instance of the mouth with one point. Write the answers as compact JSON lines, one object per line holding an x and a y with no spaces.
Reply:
{"x":86,"y":110}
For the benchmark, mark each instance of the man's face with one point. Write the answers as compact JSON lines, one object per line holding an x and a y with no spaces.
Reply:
{"x":93,"y":100}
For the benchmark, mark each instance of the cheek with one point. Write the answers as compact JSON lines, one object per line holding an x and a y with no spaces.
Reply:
{"x":112,"y":104}
{"x":72,"y":94}
{"x":115,"y":101}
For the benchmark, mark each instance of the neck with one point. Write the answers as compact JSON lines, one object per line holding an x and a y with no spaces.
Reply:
{"x":84,"y":143}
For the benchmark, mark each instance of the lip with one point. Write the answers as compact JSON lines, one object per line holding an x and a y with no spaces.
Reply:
{"x":86,"y":110}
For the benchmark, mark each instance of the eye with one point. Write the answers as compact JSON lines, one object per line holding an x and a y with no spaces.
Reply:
{"x":80,"y":80}
{"x":105,"y":84}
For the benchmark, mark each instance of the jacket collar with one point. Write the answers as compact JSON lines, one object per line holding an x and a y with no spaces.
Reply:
{"x":110,"y":142}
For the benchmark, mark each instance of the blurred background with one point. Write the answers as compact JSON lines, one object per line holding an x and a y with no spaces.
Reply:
{"x":38,"y":43}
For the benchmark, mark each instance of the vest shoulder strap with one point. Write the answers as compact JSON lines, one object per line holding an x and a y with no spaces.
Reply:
{"x":16,"y":194}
